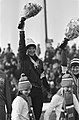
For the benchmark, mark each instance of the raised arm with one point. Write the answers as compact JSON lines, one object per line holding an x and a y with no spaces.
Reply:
{"x":64,"y":55}
{"x":22,"y":45}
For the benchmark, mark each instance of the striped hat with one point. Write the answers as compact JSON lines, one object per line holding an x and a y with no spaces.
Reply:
{"x":75,"y":61}
{"x":67,"y":80}
{"x":24,"y":83}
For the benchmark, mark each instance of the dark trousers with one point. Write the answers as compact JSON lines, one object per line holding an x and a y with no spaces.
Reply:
{"x":76,"y":115}
{"x":37,"y":101}
{"x":2,"y":113}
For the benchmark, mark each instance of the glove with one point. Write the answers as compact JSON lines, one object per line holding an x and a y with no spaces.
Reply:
{"x":21,"y":24}
{"x":64,"y":44}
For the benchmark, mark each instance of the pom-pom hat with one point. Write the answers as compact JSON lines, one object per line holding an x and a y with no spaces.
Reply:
{"x":67,"y":80}
{"x":30,"y":43}
{"x":24,"y":83}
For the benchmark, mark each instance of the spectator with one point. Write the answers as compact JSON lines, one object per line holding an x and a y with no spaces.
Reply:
{"x":47,"y":59}
{"x":57,"y":73}
{"x":57,"y":55}
{"x":49,"y":53}
{"x":38,"y":50}
{"x":52,"y":85}
{"x":9,"y":53}
{"x":75,"y":73}
{"x":13,"y":86}
{"x":72,"y":51}
{"x":73,"y":70}
{"x":3,"y":53}
{"x":9,"y":48}
{"x":63,"y":100}
{"x":5,"y":96}
{"x":21,"y":104}
{"x":0,"y":54}
{"x":32,"y":66}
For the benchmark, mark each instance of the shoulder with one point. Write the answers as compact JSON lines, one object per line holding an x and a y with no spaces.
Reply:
{"x":56,"y":98}
{"x":18,"y":100}
{"x":26,"y":59}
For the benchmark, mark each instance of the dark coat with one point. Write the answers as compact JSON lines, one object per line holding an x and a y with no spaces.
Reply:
{"x":27,"y":66}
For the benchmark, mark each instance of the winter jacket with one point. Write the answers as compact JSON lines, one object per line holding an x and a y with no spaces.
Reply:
{"x":20,"y":110}
{"x":57,"y":103}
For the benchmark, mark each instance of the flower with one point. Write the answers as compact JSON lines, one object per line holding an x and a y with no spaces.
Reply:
{"x":72,"y":30}
{"x":31,"y":9}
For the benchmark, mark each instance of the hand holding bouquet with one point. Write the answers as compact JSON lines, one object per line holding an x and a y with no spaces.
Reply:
{"x":72,"y":30}
{"x":29,"y":10}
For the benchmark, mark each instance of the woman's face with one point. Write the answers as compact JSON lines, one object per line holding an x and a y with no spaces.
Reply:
{"x":75,"y":70}
{"x":26,"y":92}
{"x":31,"y":51}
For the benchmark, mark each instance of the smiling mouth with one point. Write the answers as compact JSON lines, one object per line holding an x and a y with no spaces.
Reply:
{"x":76,"y":72}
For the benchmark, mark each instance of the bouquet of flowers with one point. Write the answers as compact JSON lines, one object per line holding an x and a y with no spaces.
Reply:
{"x":29,"y":10}
{"x":72,"y":30}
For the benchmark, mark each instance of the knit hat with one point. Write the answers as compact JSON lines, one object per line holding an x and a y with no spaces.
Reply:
{"x":29,"y":43}
{"x":75,"y":61}
{"x":67,"y":80}
{"x":24,"y":83}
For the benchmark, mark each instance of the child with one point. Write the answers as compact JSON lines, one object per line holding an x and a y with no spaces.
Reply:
{"x":21,"y":104}
{"x":64,"y":101}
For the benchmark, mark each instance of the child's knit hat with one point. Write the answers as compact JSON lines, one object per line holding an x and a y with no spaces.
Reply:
{"x":67,"y":80}
{"x":24,"y":83}
{"x":75,"y":61}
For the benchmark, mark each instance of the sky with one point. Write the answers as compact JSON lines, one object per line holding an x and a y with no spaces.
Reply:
{"x":59,"y":14}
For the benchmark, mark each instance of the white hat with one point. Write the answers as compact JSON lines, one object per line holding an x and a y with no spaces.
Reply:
{"x":29,"y":43}
{"x":67,"y":80}
{"x":24,"y":83}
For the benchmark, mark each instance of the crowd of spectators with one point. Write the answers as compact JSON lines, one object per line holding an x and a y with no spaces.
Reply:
{"x":10,"y":61}
{"x":51,"y":63}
